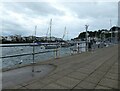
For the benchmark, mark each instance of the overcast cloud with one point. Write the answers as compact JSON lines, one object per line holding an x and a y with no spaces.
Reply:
{"x":21,"y":17}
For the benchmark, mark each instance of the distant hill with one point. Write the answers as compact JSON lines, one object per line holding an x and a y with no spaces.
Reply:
{"x":98,"y":34}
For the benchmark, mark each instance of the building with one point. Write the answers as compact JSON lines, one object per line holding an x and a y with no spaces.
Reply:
{"x":119,"y":13}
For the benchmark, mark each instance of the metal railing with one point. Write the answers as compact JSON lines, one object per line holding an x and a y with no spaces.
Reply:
{"x":56,"y":51}
{"x":25,"y":54}
{"x":31,"y":54}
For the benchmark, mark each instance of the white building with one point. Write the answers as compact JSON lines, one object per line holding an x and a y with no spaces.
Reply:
{"x":9,"y":38}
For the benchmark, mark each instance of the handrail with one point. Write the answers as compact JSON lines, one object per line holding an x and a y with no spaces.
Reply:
{"x":27,"y":54}
{"x":30,"y":44}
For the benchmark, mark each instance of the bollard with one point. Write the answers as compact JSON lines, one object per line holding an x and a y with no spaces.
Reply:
{"x":59,"y":52}
{"x":78,"y":49}
{"x":56,"y":54}
{"x":70,"y":51}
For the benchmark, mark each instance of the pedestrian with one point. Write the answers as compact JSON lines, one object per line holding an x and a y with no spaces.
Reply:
{"x":93,"y":45}
{"x":89,"y":46}
{"x":78,"y":46}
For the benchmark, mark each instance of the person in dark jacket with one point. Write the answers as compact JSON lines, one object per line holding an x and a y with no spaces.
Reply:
{"x":90,"y":45}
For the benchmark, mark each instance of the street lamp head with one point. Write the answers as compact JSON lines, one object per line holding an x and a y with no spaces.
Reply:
{"x":86,"y":26}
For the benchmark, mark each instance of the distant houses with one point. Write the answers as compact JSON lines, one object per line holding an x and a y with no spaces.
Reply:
{"x":102,"y":34}
{"x":28,"y":39}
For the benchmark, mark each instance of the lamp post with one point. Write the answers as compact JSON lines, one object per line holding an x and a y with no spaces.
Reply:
{"x":104,"y":37}
{"x":34,"y":37}
{"x":86,"y":27}
{"x":116,"y":33}
{"x":111,"y":29}
{"x":50,"y":28}
{"x":111,"y":35}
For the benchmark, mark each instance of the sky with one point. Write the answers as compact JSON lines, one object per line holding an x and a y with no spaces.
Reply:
{"x":22,"y":17}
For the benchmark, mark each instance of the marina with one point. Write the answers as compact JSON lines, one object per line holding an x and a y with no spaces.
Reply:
{"x":13,"y":54}
{"x":99,"y":69}
{"x":60,"y":45}
{"x":65,"y":64}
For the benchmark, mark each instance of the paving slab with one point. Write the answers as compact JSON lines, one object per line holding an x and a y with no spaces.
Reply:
{"x":109,"y":83}
{"x":55,"y":76}
{"x":102,"y":87}
{"x":85,"y":71}
{"x":114,"y":71}
{"x":86,"y":85}
{"x":112,"y":76}
{"x":93,"y":80}
{"x":68,"y":82}
{"x":36,"y":85}
{"x":54,"y":86}
{"x":23,"y":88}
{"x":78,"y":75}
{"x":47,"y":80}
{"x":77,"y":87}
{"x":97,"y":74}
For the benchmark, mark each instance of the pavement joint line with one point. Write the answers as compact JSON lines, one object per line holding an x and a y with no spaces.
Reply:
{"x":86,"y":53}
{"x":54,"y":81}
{"x":107,"y":70}
{"x":61,"y":85}
{"x":82,"y":65}
{"x":82,"y":80}
{"x":71,"y":72}
{"x":79,"y":82}
{"x":22,"y":87}
{"x":92,"y":73}
{"x":104,"y":86}
{"x":26,"y":84}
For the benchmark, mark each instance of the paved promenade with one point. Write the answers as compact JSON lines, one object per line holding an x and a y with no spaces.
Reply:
{"x":91,"y":70}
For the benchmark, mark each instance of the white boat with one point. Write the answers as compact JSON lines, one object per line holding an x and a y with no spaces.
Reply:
{"x":51,"y":46}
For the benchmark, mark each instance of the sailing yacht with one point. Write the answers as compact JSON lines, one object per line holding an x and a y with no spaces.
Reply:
{"x":50,"y":45}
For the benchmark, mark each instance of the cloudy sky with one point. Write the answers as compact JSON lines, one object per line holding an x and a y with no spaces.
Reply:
{"x":22,"y":17}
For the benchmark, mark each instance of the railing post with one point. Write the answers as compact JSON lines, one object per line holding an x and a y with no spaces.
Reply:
{"x":33,"y":57}
{"x":70,"y":51}
{"x":57,"y":52}
{"x":78,"y":48}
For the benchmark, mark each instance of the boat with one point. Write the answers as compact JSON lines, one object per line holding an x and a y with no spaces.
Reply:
{"x":48,"y":45}
{"x":51,"y":47}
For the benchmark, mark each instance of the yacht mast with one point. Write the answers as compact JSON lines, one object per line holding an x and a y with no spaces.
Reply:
{"x":64,"y":33}
{"x":50,"y":28}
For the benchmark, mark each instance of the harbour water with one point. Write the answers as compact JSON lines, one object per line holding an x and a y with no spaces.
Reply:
{"x":14,"y":61}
